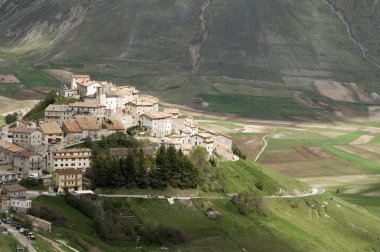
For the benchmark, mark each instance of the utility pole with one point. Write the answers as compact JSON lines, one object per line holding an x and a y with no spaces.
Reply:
{"x":61,"y":77}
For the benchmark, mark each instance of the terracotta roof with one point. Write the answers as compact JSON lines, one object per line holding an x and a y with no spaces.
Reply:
{"x":80,"y":124}
{"x":84,"y":105}
{"x":26,"y":153}
{"x":157,"y":115}
{"x":87,"y":123}
{"x":144,"y":101}
{"x":51,"y":128}
{"x":57,"y":107}
{"x":68,"y":171}
{"x":14,"y":188}
{"x":10,"y":147}
{"x":70,"y":150}
{"x":113,"y":124}
{"x":126,"y":90}
{"x":171,"y":111}
{"x":71,"y":126}
{"x":22,"y":129}
{"x":204,"y":135}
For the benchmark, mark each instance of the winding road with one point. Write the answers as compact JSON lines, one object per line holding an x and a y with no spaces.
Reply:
{"x":314,"y":192}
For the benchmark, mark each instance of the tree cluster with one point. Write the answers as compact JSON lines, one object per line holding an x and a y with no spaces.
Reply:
{"x":168,"y":167}
{"x":11,"y":118}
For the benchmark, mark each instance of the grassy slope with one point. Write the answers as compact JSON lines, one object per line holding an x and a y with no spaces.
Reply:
{"x":8,"y":243}
{"x":291,"y":225}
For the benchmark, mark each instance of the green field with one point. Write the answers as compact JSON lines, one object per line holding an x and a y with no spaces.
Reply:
{"x":35,"y":78}
{"x":258,"y":107}
{"x":8,"y":243}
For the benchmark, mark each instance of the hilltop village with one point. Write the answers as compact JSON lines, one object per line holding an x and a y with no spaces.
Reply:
{"x":42,"y":149}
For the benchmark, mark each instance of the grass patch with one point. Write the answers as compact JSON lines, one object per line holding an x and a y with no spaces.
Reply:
{"x":278,"y":108}
{"x":35,"y":78}
{"x":8,"y":90}
{"x":353,"y":158}
{"x":245,"y":175}
{"x":43,"y":246}
{"x":2,"y":122}
{"x":8,"y":243}
{"x":322,"y":141}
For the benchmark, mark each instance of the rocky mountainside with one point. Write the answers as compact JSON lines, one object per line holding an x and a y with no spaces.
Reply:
{"x":183,"y":48}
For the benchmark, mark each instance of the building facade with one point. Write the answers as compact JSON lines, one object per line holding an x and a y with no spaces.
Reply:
{"x":70,"y":179}
{"x":68,"y":158}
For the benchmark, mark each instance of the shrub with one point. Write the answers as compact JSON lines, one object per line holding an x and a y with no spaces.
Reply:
{"x":248,"y":203}
{"x":238,"y":152}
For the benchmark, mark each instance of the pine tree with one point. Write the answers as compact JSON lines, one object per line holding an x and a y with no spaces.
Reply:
{"x":130,"y":169}
{"x":142,"y":180}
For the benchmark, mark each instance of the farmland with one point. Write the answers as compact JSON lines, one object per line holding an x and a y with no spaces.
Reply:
{"x":335,"y":156}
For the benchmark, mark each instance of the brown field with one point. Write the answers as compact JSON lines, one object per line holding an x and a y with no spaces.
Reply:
{"x":56,"y":74}
{"x":332,"y":166}
{"x":27,"y":94}
{"x":9,"y":79}
{"x":367,"y":152}
{"x":8,"y":105}
{"x":295,"y":154}
{"x":250,"y":145}
{"x":331,"y":181}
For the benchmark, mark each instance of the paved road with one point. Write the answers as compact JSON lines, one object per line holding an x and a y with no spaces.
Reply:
{"x":19,"y":237}
{"x":314,"y":192}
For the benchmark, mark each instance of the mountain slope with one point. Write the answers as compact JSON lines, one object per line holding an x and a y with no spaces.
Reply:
{"x":179,"y":49}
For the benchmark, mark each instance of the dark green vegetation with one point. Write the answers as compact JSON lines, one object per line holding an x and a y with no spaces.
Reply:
{"x":265,"y":50}
{"x":168,"y":167}
{"x":33,"y":184}
{"x":38,"y":111}
{"x":10,"y":118}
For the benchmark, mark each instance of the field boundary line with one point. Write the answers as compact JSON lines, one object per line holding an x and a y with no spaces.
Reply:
{"x":265,"y":145}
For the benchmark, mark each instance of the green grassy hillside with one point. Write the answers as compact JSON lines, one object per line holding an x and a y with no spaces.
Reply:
{"x":319,"y":223}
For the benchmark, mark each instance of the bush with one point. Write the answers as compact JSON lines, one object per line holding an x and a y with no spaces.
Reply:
{"x":248,"y":203}
{"x":50,"y":214}
{"x":162,"y":235}
{"x":32,"y":183}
